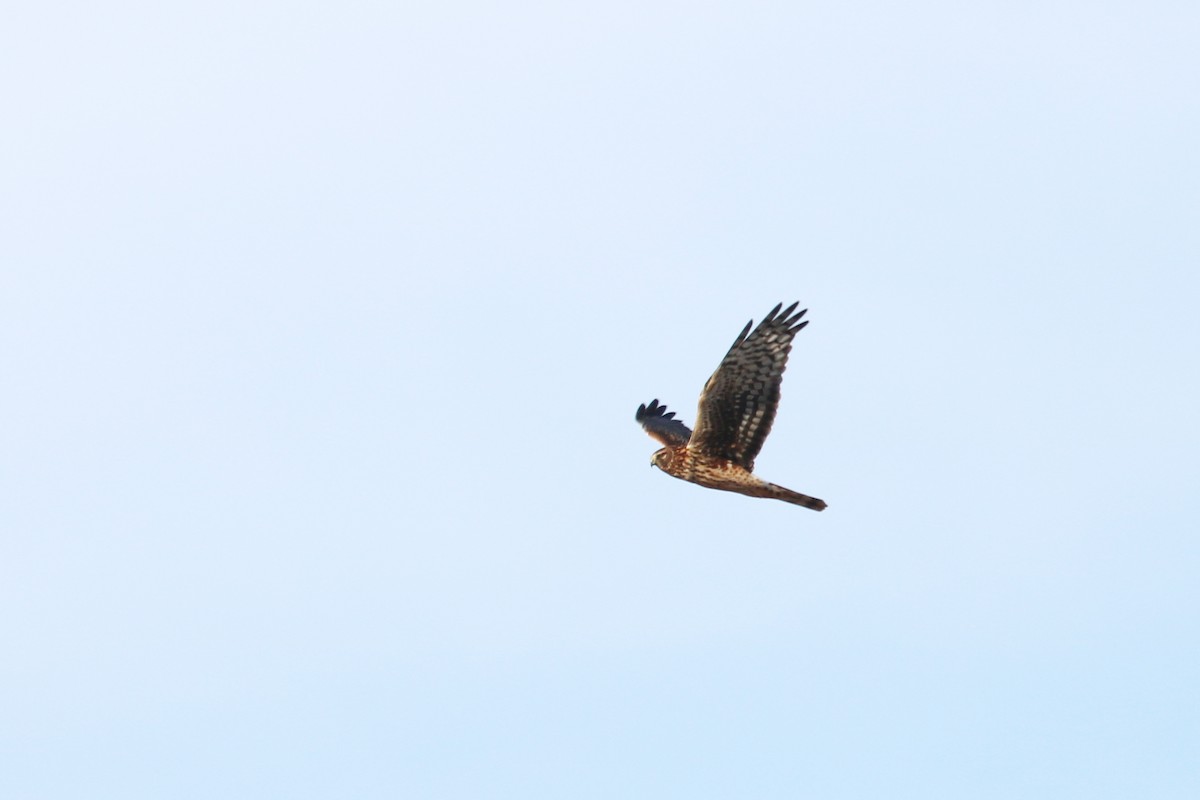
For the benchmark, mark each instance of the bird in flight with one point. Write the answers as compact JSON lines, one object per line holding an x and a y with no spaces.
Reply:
{"x":737,"y":408}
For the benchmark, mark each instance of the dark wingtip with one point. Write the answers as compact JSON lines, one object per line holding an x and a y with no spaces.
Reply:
{"x":791,"y":319}
{"x":780,"y":316}
{"x":652,"y":410}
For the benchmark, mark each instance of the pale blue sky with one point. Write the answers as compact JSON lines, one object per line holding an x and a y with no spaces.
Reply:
{"x":323,"y":326}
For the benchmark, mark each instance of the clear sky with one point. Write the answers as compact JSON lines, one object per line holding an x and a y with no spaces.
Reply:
{"x":322,"y":329}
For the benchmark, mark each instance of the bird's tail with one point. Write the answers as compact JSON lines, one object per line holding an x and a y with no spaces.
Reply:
{"x":788,"y":496}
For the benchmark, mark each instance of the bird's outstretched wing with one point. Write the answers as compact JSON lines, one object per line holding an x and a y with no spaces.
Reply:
{"x":737,"y":406}
{"x":662,"y":424}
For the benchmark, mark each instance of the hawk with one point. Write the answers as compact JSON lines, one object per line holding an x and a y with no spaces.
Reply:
{"x":737,"y":408}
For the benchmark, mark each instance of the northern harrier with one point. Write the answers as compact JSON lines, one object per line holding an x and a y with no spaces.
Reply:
{"x":736,"y":410}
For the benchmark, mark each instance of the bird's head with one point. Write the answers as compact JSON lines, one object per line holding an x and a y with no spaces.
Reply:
{"x":661,"y":459}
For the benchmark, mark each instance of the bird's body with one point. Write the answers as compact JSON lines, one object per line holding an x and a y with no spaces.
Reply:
{"x":737,"y":408}
{"x":723,"y":474}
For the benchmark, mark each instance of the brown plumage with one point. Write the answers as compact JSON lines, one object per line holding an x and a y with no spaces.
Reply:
{"x":737,"y":408}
